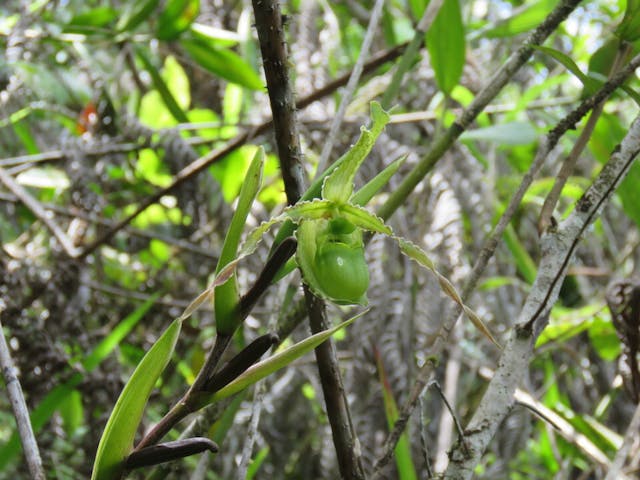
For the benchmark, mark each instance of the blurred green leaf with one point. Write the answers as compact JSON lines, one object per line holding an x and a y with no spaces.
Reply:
{"x":629,"y":28}
{"x":222,"y":63}
{"x":608,"y":132}
{"x":231,"y":169}
{"x":93,"y":18}
{"x":178,"y":85}
{"x":404,"y":462}
{"x":524,"y":20}
{"x":135,"y":14}
{"x":524,"y":263}
{"x":176,"y":17}
{"x":72,"y":412}
{"x":256,"y":463}
{"x":604,"y":339}
{"x":152,"y":169}
{"x":513,"y":133}
{"x":446,"y":45}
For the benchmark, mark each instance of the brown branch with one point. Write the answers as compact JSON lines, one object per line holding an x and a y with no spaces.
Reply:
{"x":274,"y":53}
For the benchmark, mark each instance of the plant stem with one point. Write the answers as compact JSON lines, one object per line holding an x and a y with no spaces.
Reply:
{"x":276,"y":61}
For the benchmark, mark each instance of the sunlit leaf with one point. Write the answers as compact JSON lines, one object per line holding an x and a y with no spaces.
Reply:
{"x":513,"y":133}
{"x":446,"y":45}
{"x":176,"y":17}
{"x":117,"y":439}
{"x":524,"y":20}
{"x":223,"y":63}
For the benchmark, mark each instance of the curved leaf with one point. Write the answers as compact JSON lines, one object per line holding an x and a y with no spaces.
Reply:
{"x":223,"y":63}
{"x":338,"y":186}
{"x":117,"y":440}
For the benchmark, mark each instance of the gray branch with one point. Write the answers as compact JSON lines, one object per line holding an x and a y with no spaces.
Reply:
{"x":557,"y":248}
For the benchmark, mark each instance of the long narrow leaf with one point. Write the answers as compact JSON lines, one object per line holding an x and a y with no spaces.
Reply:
{"x":117,"y":440}
{"x":276,"y":362}
{"x":404,"y":462}
{"x":339,"y":185}
{"x":163,"y":90}
{"x":446,"y":45}
{"x":227,"y":296}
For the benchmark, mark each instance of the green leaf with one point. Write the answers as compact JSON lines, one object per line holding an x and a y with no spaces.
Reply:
{"x":135,"y":14}
{"x":72,"y":412}
{"x":629,"y":193}
{"x":512,"y":133}
{"x":94,"y":18}
{"x":364,"y":219}
{"x":176,"y":17}
{"x":404,"y":462}
{"x":604,"y":339}
{"x":56,"y":397}
{"x":117,"y":440}
{"x":595,"y":79}
{"x":524,"y":263}
{"x":590,"y":84}
{"x":222,"y":63}
{"x":276,"y":362}
{"x":566,"y":323}
{"x":256,"y":463}
{"x":162,"y":87}
{"x":227,"y":296}
{"x":230,"y":171}
{"x":446,"y":45}
{"x":629,"y":28}
{"x":415,"y":253}
{"x":338,"y":186}
{"x":373,"y":186}
{"x":523,"y":21}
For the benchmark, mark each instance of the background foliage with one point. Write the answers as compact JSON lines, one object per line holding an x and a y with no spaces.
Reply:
{"x":102,"y":103}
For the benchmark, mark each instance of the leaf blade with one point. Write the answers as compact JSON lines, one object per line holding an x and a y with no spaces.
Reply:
{"x":117,"y":439}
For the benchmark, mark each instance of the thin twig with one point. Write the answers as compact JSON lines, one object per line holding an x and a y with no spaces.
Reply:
{"x":150,"y":234}
{"x":630,"y":437}
{"x":354,"y":79}
{"x":275,"y":60}
{"x":20,"y":411}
